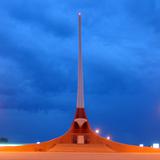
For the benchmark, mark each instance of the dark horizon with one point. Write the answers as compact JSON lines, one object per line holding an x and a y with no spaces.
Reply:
{"x":38,"y":68}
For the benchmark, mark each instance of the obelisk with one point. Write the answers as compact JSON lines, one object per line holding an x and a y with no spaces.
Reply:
{"x":80,"y":116}
{"x":80,"y":127}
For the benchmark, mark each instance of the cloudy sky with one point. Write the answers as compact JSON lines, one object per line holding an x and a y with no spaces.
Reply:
{"x":38,"y":68}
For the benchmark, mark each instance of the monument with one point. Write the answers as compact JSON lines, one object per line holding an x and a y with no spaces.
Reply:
{"x":80,"y":137}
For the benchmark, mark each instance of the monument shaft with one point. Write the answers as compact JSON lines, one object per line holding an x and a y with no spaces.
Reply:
{"x":80,"y":91}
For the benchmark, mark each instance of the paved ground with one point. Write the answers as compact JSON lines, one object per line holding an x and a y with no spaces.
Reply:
{"x":78,"y":156}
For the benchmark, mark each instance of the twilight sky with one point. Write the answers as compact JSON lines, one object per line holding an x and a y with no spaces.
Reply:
{"x":38,"y":68}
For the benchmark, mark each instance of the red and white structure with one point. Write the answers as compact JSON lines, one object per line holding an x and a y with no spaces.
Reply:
{"x":80,"y":137}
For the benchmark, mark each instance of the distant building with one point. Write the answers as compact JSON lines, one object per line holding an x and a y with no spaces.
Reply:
{"x":155,"y":145}
{"x":3,"y":140}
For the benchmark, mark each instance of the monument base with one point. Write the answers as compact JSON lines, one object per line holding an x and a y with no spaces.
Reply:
{"x":80,"y":138}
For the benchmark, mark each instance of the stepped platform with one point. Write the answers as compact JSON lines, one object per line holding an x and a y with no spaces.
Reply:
{"x":102,"y":148}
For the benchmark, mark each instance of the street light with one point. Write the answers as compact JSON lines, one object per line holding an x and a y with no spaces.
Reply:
{"x":97,"y":131}
{"x":108,"y":137}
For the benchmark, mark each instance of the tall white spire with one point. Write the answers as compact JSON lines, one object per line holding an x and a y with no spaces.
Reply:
{"x":80,"y":92}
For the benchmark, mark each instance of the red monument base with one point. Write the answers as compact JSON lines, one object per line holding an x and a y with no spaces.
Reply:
{"x":79,"y":138}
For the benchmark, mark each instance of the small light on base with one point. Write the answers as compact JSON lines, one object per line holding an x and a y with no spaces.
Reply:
{"x":38,"y":142}
{"x":141,"y":145}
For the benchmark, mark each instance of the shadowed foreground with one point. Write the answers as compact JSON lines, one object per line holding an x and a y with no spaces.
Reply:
{"x":77,"y":156}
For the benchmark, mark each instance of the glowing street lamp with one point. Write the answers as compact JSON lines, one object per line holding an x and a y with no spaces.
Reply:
{"x":97,"y":131}
{"x":108,"y":137}
{"x":38,"y":142}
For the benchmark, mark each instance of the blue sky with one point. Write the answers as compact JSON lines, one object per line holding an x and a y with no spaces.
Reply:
{"x":38,"y":68}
